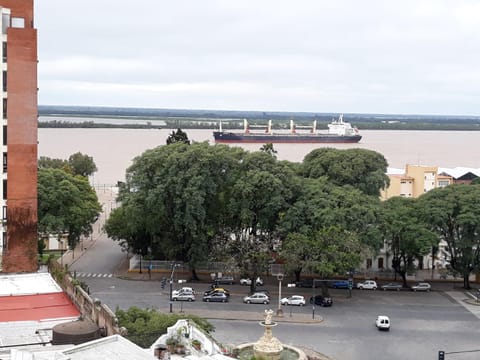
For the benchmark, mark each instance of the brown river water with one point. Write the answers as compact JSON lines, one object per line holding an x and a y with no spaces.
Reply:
{"x":114,"y":149}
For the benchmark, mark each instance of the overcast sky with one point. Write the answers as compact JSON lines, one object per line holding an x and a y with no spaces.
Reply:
{"x":363,"y":56}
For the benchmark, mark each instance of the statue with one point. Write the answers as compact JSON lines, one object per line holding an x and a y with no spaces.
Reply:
{"x":268,"y":316}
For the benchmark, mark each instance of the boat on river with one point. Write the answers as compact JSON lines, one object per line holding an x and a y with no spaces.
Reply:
{"x":338,"y":131}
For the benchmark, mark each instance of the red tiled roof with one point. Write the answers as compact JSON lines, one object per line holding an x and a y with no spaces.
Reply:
{"x":37,"y":307}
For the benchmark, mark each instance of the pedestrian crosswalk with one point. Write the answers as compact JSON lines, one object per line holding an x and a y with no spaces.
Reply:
{"x":92,"y":275}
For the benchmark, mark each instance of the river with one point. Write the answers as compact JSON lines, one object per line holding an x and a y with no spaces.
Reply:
{"x":114,"y":149}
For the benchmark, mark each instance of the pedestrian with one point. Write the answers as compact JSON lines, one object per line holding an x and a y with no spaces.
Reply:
{"x":149,"y":271}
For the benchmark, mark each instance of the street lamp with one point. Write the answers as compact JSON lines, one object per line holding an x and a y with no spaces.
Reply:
{"x":171,"y":285}
{"x":279,"y":310}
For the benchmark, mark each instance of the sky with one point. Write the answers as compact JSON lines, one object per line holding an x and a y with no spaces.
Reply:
{"x":346,"y":56}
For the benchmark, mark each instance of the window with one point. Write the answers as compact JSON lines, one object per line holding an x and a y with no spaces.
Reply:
{"x":4,"y":213}
{"x":380,"y":263}
{"x":5,"y":23}
{"x":5,"y":162}
{"x":18,"y":22}
{"x":5,"y":134}
{"x":5,"y":108}
{"x":369,"y":263}
{"x":4,"y":189}
{"x":4,"y":78}
{"x":4,"y":51}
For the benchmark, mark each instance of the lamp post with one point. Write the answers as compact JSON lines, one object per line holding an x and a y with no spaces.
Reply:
{"x":279,"y":310}
{"x":171,"y":285}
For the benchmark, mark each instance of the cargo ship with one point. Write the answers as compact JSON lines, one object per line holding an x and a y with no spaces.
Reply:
{"x":338,"y":132}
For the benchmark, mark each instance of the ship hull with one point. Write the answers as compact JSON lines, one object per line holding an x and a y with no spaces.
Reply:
{"x":230,"y":137}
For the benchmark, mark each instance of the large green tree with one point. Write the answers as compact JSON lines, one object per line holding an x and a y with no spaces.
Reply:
{"x":453,"y":213}
{"x":322,"y":205}
{"x":67,"y":205}
{"x":82,"y":164}
{"x":360,"y":168}
{"x":178,"y":136}
{"x":407,"y":237}
{"x":77,"y":164}
{"x":260,"y":195}
{"x":174,"y":200}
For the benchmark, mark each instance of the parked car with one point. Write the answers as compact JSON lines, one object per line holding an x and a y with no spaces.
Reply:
{"x":382,"y":322}
{"x":248,"y":281}
{"x":321,"y":300}
{"x":367,"y":284}
{"x":225,"y":280}
{"x":293,"y":300}
{"x":256,"y":298}
{"x":215,"y":297}
{"x":423,"y":286}
{"x":265,"y":291}
{"x":184,"y":290}
{"x":217,"y":290}
{"x":392,"y":286}
{"x":306,"y":283}
{"x":339,"y":284}
{"x":183,"y":296}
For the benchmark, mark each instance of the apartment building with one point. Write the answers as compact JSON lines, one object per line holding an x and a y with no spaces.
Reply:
{"x":18,"y":229}
{"x":414,"y":181}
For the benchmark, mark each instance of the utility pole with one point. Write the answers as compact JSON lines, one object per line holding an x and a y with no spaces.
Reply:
{"x":171,"y":285}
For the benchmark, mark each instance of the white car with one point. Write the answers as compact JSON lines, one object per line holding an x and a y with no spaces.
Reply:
{"x":293,"y":300}
{"x":248,"y":281}
{"x":367,"y":284}
{"x":423,"y":286}
{"x":182,"y":296}
{"x":184,"y":291}
{"x":257,"y":298}
{"x":382,"y":322}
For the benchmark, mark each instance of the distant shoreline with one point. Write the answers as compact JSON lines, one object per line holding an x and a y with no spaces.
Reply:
{"x":138,"y":118}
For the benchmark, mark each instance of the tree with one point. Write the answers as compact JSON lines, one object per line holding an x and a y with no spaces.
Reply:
{"x":453,"y":213}
{"x":144,"y":326}
{"x":268,"y":148}
{"x":178,"y":136}
{"x":174,"y":200}
{"x":67,"y":204}
{"x":46,"y":163}
{"x":407,"y":238}
{"x":360,"y":168}
{"x":82,"y":164}
{"x":259,"y":196}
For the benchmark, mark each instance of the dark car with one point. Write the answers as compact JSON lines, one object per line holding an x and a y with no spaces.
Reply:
{"x":322,"y":300}
{"x":225,"y":280}
{"x":265,"y":291}
{"x":339,"y":284}
{"x":306,"y":283}
{"x":392,"y":286}
{"x":215,"y":297}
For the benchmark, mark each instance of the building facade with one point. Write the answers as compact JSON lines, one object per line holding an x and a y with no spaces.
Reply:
{"x":18,"y":230}
{"x":415,"y":181}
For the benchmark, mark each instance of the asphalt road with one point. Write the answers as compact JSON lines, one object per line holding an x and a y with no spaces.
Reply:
{"x":422,"y":323}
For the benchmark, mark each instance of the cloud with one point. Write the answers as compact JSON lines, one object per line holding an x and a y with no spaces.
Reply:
{"x":309,"y":55}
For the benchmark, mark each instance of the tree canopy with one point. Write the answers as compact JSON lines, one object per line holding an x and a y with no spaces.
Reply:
{"x":178,"y":136}
{"x":407,"y":237}
{"x":197,"y":203}
{"x":360,"y":168}
{"x":453,"y":213}
{"x":77,"y":164}
{"x":67,"y":204}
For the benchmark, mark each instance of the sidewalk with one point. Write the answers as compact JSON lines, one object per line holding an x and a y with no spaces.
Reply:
{"x":106,"y":197}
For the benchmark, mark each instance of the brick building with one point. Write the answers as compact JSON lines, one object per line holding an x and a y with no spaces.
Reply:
{"x":18,"y":232}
